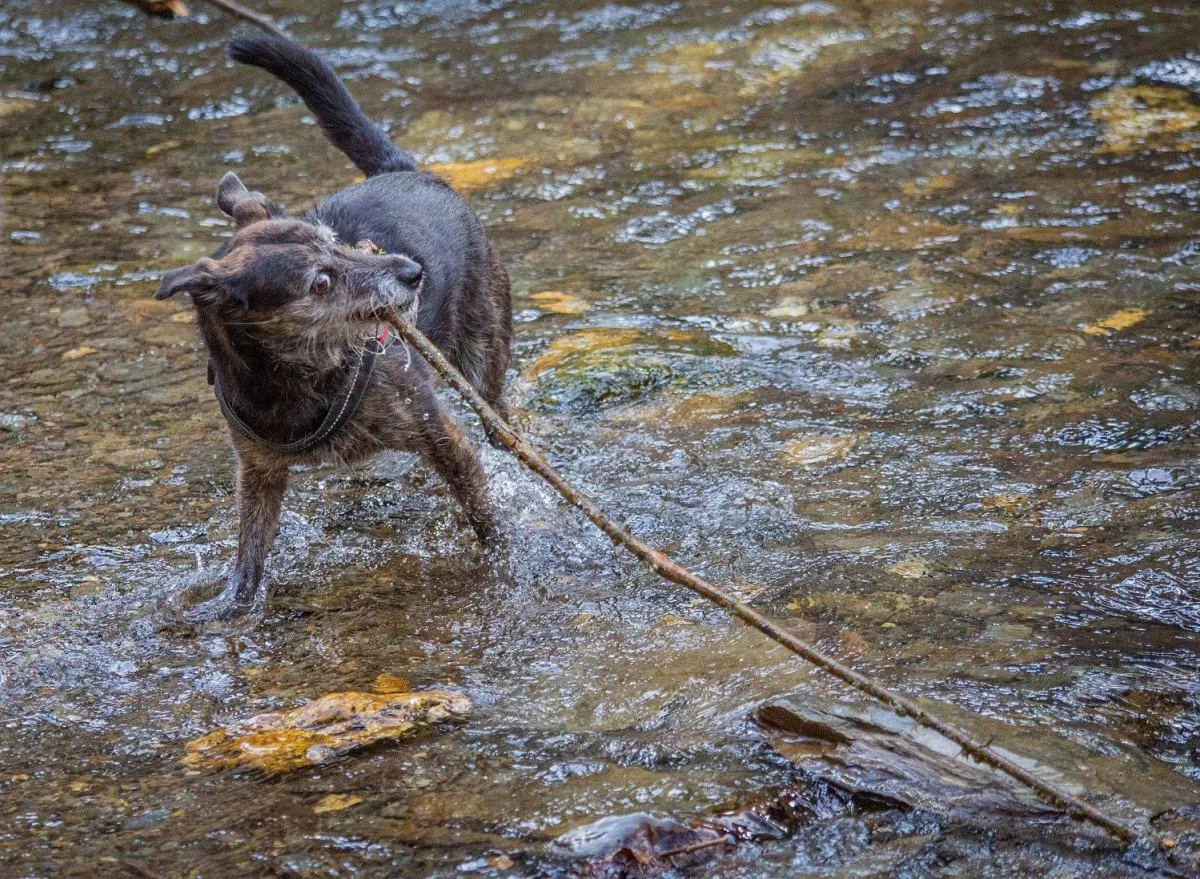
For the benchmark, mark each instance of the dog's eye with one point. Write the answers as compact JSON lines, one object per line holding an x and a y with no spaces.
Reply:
{"x":321,"y":284}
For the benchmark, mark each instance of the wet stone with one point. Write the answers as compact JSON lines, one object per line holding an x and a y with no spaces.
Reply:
{"x":12,"y":422}
{"x":73,"y":317}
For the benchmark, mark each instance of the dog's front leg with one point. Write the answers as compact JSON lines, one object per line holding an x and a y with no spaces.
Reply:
{"x":260,"y":488}
{"x":446,"y":448}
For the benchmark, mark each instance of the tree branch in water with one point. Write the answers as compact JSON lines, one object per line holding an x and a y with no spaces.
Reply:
{"x":178,"y":9}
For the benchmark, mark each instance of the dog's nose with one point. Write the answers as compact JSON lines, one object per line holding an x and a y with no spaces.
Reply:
{"x":408,"y":270}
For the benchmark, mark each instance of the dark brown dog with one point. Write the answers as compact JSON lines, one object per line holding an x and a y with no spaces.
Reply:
{"x":289,"y":310}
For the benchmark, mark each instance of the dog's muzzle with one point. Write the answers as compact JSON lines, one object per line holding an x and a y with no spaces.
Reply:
{"x":404,"y":291}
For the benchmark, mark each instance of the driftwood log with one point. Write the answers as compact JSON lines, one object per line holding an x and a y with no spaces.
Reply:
{"x":179,"y":9}
{"x":860,"y":759}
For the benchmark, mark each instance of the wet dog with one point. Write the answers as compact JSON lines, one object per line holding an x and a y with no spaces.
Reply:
{"x":288,"y":310}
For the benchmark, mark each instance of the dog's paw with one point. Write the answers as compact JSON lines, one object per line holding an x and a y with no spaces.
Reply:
{"x":221,"y":607}
{"x":236,"y":599}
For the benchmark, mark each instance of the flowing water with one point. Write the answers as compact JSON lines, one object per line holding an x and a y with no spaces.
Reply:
{"x":884,"y":313}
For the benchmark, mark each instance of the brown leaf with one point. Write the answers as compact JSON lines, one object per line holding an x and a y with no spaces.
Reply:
{"x":1120,"y":320}
{"x":162,"y":8}
{"x":472,"y":175}
{"x":335,"y":803}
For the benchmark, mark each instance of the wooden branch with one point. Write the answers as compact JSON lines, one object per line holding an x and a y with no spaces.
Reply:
{"x":255,"y":18}
{"x":178,"y":9}
{"x":696,"y":846}
{"x":503,"y":433}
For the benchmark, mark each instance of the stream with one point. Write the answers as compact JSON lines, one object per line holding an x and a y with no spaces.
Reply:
{"x":883,"y":313}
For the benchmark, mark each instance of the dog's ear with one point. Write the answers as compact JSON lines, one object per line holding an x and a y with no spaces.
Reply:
{"x":199,"y":280}
{"x":238,"y":202}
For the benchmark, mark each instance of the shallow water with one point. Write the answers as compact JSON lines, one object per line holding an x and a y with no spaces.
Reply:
{"x":883,"y":313}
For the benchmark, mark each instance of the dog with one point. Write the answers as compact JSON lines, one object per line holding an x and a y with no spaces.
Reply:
{"x":288,"y":310}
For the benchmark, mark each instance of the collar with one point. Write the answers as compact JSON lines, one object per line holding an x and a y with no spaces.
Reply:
{"x":344,"y":406}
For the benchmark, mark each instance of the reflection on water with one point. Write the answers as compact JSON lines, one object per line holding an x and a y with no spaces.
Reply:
{"x":884,"y":313}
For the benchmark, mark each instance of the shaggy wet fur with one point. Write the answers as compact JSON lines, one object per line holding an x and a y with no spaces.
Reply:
{"x":285,"y":306}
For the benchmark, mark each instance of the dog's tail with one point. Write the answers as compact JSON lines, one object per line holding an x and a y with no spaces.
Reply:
{"x":342,"y":120}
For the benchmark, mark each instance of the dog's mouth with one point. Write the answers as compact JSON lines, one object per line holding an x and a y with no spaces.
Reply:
{"x":404,"y":307}
{"x":392,"y":298}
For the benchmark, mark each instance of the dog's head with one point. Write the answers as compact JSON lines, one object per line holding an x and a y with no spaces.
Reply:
{"x":292,"y":280}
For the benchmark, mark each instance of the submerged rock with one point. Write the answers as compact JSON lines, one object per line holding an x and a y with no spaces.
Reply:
{"x":598,"y":367}
{"x":557,"y":302}
{"x":815,"y":449}
{"x":321,"y":731}
{"x":1146,"y":115}
{"x":465,"y":176}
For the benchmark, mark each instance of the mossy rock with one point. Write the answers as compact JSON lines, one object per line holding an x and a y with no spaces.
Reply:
{"x":598,"y":368}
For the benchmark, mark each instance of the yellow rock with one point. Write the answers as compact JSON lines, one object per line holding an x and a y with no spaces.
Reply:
{"x":1120,"y":320}
{"x":1129,"y":117}
{"x":320,"y":731}
{"x":583,"y":342}
{"x":81,"y":351}
{"x":789,"y":308}
{"x":163,"y":147}
{"x":335,"y":803}
{"x":560,"y":303}
{"x":910,"y":568}
{"x":386,"y":683}
{"x":481,"y":172}
{"x":814,"y":449}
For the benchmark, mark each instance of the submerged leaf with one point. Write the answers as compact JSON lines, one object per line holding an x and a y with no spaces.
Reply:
{"x":1121,"y":320}
{"x":472,"y":175}
{"x":322,"y":730}
{"x":336,"y":803}
{"x":560,"y":303}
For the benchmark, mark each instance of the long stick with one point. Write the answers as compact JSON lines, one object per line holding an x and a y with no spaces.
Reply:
{"x":257,"y":18}
{"x":502,"y":432}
